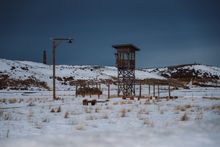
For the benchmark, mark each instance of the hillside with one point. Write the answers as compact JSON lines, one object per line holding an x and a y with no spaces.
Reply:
{"x":195,"y":74}
{"x":27,"y":75}
{"x":31,"y":75}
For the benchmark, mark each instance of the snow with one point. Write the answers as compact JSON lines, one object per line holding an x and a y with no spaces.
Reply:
{"x":26,"y":119}
{"x":154,"y":123}
{"x":209,"y":69}
{"x":202,"y":69}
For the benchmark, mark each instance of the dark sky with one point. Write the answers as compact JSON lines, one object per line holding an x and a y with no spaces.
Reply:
{"x":168,"y":32}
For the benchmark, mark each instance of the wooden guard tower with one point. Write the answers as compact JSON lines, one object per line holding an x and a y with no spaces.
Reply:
{"x":125,"y":62}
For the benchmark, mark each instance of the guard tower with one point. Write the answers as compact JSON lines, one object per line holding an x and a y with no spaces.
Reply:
{"x":125,"y":62}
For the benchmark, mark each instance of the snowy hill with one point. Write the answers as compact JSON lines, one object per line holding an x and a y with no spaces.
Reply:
{"x":25,"y":75}
{"x":12,"y":73}
{"x":202,"y":75}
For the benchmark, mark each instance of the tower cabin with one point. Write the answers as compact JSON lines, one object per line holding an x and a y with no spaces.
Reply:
{"x":125,"y":62}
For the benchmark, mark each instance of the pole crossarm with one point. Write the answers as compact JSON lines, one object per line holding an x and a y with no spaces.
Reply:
{"x":57,"y":41}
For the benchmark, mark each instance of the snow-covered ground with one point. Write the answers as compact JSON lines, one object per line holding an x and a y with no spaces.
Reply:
{"x":191,"y":120}
{"x":26,"y":120}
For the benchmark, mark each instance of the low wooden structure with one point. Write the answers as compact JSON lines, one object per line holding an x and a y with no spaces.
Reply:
{"x":84,"y":87}
{"x":157,"y":83}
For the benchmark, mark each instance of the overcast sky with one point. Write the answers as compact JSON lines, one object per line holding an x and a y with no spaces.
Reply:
{"x":168,"y":32}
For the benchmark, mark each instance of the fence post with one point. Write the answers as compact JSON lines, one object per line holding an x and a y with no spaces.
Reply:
{"x":154,"y":90}
{"x":158,"y":91}
{"x":169,"y":91}
{"x":108,"y":91}
{"x":76,"y":90}
{"x":140,"y":91}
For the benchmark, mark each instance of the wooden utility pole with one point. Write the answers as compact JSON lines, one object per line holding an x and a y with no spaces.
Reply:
{"x":54,"y":73}
{"x":44,"y":57}
{"x":55,"y":43}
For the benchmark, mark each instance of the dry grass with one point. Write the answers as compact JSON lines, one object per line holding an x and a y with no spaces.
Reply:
{"x":199,"y":115}
{"x":130,"y":102}
{"x":87,"y":109}
{"x":90,"y":117}
{"x":45,"y":119}
{"x":105,"y":116}
{"x":147,"y":102}
{"x":30,"y":114}
{"x":143,"y":111}
{"x":38,"y":125}
{"x":66,"y":115}
{"x":3,"y":100}
{"x":115,"y":103}
{"x":1,"y":113}
{"x":123,"y":102}
{"x":31,"y":103}
{"x":12,"y":100}
{"x":123,"y":113}
{"x":80,"y":127}
{"x":20,"y":100}
{"x":97,"y":109}
{"x":56,"y":109}
{"x":184,"y":117}
{"x":216,"y":107}
{"x":6,"y":115}
{"x":183,"y":107}
{"x":148,"y":122}
{"x":211,"y":98}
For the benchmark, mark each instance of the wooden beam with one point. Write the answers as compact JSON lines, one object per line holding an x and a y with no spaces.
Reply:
{"x":140,"y":91}
{"x":169,"y":91}
{"x":154,"y":90}
{"x":108,"y":91}
{"x":76,"y":90}
{"x":158,"y":90}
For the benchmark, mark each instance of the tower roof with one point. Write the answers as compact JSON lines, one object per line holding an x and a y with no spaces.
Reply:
{"x":122,"y":46}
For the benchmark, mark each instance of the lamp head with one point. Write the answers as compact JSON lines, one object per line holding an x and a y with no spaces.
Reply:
{"x":70,"y":40}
